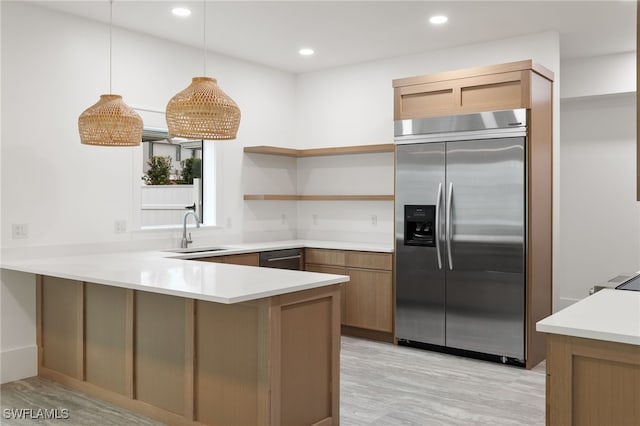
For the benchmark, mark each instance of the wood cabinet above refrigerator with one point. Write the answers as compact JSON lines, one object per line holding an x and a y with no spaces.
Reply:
{"x":491,"y":88}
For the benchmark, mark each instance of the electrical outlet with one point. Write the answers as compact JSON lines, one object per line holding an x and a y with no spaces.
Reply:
{"x":120,"y":226}
{"x":374,"y":220}
{"x":19,"y":231}
{"x":283,"y":218}
{"x":314,"y":218}
{"x":228,"y":222}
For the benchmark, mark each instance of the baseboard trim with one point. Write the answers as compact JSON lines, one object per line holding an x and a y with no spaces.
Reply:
{"x":381,"y":336}
{"x":18,"y":363}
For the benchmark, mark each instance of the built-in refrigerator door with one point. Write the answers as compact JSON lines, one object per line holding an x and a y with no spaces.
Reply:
{"x":485,"y":208}
{"x":420,"y":274}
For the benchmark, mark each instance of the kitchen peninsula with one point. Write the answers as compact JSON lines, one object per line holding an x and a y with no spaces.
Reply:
{"x":593,"y":361}
{"x":190,"y":342}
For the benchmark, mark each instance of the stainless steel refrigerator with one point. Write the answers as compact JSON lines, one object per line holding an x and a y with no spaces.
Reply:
{"x":460,"y":232}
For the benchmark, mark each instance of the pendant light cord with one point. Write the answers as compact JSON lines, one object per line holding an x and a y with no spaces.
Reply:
{"x":110,"y":44}
{"x":204,"y":36}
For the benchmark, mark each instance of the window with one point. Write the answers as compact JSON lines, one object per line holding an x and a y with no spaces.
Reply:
{"x":172,"y":179}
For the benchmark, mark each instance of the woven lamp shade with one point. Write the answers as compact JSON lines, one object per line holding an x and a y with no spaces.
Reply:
{"x":203,"y":111}
{"x":110,"y":122}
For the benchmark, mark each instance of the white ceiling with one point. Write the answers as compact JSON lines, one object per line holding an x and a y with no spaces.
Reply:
{"x":347,"y":32}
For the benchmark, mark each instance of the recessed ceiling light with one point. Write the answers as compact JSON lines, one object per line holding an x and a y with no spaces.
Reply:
{"x":438,"y":19}
{"x":181,"y":11}
{"x":306,"y":51}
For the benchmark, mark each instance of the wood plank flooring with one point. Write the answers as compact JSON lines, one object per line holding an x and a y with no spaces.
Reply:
{"x":381,"y":384}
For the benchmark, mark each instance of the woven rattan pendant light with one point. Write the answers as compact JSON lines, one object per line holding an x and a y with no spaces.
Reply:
{"x":203,"y":110}
{"x":110,"y":122}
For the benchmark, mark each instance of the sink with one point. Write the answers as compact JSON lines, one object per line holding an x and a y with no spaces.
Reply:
{"x":196,"y":250}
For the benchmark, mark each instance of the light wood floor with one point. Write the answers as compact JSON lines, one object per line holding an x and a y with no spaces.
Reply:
{"x":381,"y":384}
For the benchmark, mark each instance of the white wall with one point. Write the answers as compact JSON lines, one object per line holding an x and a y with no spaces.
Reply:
{"x":598,"y":174}
{"x":600,"y":217}
{"x":269,"y":174}
{"x":598,"y":75}
{"x":69,"y":193}
{"x":356,"y":221}
{"x":353,"y":105}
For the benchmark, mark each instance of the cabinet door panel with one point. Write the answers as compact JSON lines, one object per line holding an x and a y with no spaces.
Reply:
{"x":369,"y":300}
{"x":333,"y":270}
{"x":62,"y":326}
{"x":492,"y":92}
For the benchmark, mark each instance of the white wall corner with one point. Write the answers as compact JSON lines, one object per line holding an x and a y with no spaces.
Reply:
{"x":18,"y":349}
{"x":598,"y":75}
{"x":565,"y":302}
{"x":18,"y":363}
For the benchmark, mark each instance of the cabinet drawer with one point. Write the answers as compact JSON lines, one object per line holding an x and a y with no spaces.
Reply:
{"x":368,"y":260}
{"x":325,"y":257}
{"x":213,"y":259}
{"x":247,"y":259}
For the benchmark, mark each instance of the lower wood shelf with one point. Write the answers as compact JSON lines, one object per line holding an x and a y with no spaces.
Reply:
{"x":285,"y":197}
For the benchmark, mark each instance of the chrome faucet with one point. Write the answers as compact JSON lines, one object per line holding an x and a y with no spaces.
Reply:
{"x":184,"y":243}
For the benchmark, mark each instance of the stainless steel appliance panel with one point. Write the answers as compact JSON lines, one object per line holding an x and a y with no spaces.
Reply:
{"x":485,"y":221}
{"x":420,"y":274}
{"x":282,"y":259}
{"x":490,"y":120}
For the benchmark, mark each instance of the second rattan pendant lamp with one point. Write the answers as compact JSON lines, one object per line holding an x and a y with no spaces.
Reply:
{"x":203,"y":110}
{"x":110,"y":122}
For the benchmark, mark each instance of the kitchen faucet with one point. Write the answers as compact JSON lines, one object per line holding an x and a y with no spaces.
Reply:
{"x":184,"y":243}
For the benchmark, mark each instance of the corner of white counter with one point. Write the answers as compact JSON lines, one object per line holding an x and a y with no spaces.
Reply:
{"x":608,"y":315}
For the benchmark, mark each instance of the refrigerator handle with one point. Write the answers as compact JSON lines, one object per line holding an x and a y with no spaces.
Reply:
{"x":449,"y":233}
{"x":437,"y":227}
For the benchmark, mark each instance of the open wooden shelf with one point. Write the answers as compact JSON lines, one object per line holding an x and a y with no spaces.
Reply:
{"x":317,"y":152}
{"x":272,"y":150}
{"x":285,"y":197}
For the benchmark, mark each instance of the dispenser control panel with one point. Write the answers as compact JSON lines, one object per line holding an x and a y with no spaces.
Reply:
{"x":419,"y":225}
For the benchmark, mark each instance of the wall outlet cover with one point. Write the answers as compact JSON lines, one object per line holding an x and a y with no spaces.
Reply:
{"x":19,"y":231}
{"x":120,"y":226}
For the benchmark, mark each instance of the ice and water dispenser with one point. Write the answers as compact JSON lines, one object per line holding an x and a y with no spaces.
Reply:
{"x":419,"y":225}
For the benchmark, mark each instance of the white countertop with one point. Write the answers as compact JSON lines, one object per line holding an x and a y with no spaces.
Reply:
{"x":610,"y":315}
{"x":167,"y":272}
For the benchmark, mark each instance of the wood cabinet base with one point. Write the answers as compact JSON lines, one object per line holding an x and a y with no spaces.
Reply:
{"x":273,"y":361}
{"x":592,"y":382}
{"x":367,"y":299}
{"x":365,"y":333}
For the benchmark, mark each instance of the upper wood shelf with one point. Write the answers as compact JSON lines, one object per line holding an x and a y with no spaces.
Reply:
{"x":317,"y":152}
